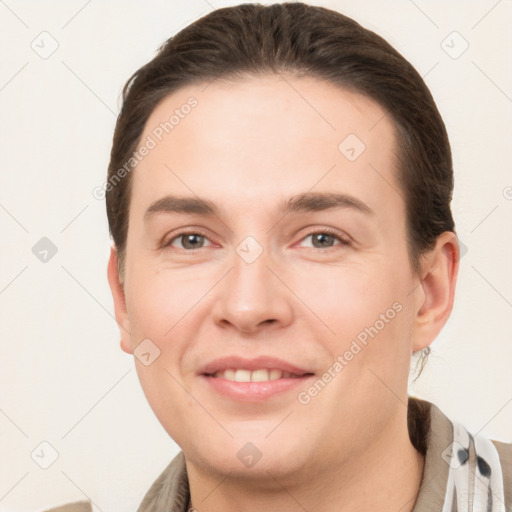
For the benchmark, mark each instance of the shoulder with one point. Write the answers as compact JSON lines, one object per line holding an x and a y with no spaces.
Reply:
{"x":505,"y":454}
{"x":458,"y":462}
{"x":80,"y":506}
{"x":170,"y":491}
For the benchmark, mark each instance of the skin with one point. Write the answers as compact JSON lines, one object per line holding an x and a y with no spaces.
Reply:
{"x":248,"y":146}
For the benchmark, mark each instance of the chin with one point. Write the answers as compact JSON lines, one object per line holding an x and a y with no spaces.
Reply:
{"x":256,"y":458}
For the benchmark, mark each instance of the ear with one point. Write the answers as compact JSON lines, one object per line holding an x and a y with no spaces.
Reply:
{"x":119,"y":301}
{"x":436,"y":290}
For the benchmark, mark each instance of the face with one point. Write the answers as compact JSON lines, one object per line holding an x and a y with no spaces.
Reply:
{"x":267,"y":265}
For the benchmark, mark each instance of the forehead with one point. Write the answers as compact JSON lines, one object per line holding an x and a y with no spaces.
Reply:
{"x":242,"y":139}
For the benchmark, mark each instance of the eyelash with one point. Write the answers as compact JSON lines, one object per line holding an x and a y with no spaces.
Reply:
{"x":323,"y":231}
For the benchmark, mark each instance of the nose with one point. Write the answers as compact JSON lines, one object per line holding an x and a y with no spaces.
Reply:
{"x":253,"y":296}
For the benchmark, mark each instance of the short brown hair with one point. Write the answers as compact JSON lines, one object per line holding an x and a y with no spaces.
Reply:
{"x":251,"y":39}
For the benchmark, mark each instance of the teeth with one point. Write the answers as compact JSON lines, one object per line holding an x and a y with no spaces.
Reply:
{"x":261,"y":375}
{"x":229,"y":374}
{"x":275,"y":374}
{"x":243,"y":376}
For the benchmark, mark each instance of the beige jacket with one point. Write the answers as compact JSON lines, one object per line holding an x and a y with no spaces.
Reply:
{"x":470,"y":464}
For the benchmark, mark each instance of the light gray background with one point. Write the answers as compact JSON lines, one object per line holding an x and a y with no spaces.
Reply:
{"x":63,"y":378}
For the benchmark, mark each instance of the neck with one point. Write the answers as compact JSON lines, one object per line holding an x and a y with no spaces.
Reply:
{"x":385,"y":477}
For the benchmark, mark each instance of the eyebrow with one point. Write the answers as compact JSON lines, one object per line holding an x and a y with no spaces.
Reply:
{"x":300,"y":203}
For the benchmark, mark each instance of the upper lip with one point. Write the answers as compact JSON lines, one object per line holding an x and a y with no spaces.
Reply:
{"x":241,"y":363}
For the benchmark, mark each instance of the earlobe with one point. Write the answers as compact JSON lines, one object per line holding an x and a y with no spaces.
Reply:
{"x":439,"y":275}
{"x":118,"y":297}
{"x":124,"y":347}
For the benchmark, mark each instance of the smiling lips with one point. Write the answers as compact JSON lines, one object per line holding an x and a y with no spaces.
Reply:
{"x":256,"y":366}
{"x":252,"y":379}
{"x":261,"y":375}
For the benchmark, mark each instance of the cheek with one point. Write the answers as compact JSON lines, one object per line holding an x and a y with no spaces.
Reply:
{"x":370,"y":310}
{"x":157,"y":302}
{"x":348,"y":300}
{"x":163,"y":393}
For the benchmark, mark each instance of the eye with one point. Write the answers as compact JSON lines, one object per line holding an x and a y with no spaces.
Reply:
{"x":190,"y":240}
{"x":325,"y":239}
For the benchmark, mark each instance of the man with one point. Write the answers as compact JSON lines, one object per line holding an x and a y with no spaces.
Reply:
{"x":279,"y":198}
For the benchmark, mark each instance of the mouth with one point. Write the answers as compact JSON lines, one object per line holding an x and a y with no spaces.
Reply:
{"x":252,"y":379}
{"x":260,"y":375}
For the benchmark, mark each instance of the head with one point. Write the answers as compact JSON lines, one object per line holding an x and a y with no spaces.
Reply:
{"x":279,"y":191}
